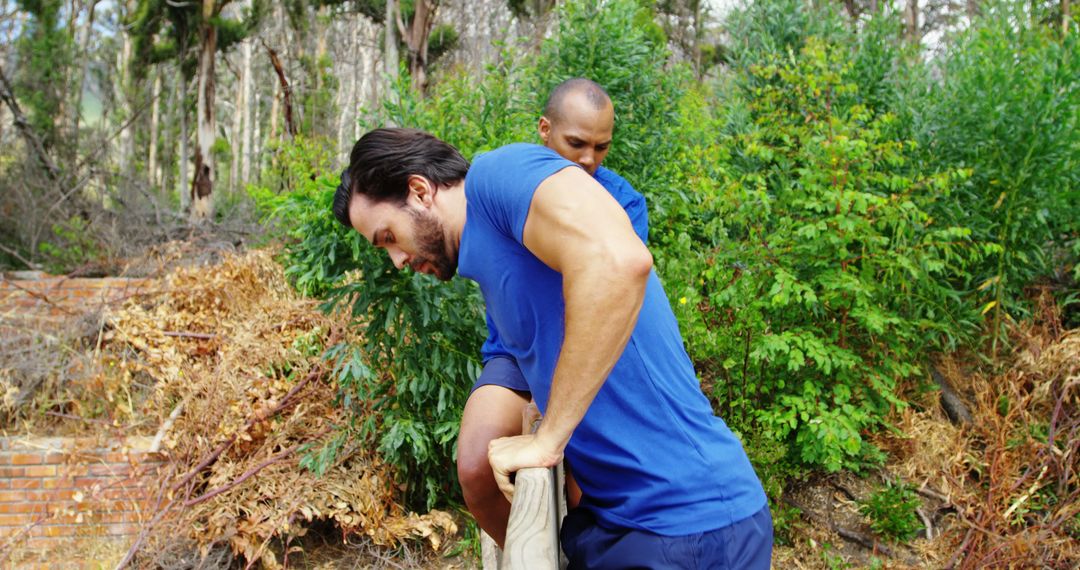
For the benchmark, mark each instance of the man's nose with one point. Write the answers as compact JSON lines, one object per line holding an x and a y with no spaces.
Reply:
{"x":398,"y":257}
{"x":587,"y":160}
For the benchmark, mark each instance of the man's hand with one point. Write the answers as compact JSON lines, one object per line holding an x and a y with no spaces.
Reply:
{"x":508,"y":454}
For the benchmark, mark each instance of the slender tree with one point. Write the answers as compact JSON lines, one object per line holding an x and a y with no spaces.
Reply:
{"x":193,"y":33}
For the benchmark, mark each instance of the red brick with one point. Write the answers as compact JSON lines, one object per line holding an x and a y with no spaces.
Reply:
{"x":9,"y":508}
{"x":12,"y":471}
{"x":40,"y":471}
{"x":25,"y":483}
{"x":24,"y":495}
{"x":54,"y":458}
{"x":76,"y":470}
{"x":26,"y":458}
{"x":54,"y":530}
{"x":110,"y":469}
{"x":125,"y":494}
{"x":22,"y":519}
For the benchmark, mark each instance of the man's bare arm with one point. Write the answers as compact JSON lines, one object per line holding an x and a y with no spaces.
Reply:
{"x":576,"y":228}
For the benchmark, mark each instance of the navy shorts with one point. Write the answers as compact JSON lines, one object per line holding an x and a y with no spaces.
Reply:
{"x":745,"y":545}
{"x":502,"y":371}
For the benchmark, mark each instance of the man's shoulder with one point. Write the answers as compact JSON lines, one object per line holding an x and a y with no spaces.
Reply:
{"x":516,"y":166}
{"x":510,"y":152}
{"x":611,"y":180}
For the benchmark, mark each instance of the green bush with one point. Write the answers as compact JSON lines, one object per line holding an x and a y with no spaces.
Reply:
{"x":810,"y":278}
{"x":891,"y":510}
{"x":1004,"y":103}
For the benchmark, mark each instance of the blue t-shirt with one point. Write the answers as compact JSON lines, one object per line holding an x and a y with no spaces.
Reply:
{"x":631,"y":200}
{"x":633,"y":203}
{"x":649,"y":453}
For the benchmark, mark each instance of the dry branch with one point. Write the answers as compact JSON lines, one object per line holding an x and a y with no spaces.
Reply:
{"x":213,"y":456}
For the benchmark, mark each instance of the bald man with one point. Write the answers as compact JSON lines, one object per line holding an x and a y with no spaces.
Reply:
{"x":578,"y":123}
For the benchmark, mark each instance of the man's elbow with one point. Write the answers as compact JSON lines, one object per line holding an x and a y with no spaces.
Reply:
{"x":635,"y":264}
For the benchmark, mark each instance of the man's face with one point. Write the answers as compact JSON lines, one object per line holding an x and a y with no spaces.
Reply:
{"x":582,"y":133}
{"x":412,"y":235}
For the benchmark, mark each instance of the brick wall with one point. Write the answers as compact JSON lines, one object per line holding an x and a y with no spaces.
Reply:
{"x":42,"y":297}
{"x":55,"y":490}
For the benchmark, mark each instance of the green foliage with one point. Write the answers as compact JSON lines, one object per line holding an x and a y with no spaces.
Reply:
{"x":808,"y":275}
{"x":891,"y":510}
{"x":45,"y":54}
{"x":442,"y":40}
{"x":72,"y":245}
{"x":1007,"y":109}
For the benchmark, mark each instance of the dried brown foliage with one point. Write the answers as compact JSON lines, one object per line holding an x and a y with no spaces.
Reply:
{"x":234,"y":356}
{"x":1010,"y":478}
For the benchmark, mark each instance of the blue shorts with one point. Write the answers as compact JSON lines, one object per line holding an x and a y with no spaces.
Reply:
{"x":502,"y":371}
{"x":745,"y":545}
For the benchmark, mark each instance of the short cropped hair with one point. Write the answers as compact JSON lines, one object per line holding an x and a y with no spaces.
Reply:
{"x":382,"y":161}
{"x":592,"y":90}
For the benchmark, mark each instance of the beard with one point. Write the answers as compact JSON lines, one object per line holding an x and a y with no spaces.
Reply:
{"x":431,"y":245}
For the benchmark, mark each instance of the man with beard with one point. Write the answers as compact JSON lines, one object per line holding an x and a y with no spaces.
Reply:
{"x":578,"y":123}
{"x":571,"y":292}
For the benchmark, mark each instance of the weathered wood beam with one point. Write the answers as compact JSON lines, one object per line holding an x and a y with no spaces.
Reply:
{"x":532,"y":535}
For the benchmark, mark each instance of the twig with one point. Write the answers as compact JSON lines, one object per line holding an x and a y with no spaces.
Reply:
{"x":285,"y":401}
{"x":926,"y":523}
{"x":74,"y":417}
{"x":249,"y":473}
{"x":16,"y":255}
{"x":182,"y":334}
{"x":145,"y":531}
{"x":165,"y":427}
{"x":860,"y":539}
{"x":39,"y":296}
{"x":928,"y":492}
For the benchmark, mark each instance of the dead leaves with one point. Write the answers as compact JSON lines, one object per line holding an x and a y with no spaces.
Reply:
{"x":232,"y":342}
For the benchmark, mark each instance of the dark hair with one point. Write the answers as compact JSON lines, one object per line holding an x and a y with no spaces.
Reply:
{"x":382,"y":161}
{"x":592,"y":90}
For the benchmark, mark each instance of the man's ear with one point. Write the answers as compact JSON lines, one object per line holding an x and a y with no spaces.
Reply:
{"x":544,"y":128}
{"x":421,"y":190}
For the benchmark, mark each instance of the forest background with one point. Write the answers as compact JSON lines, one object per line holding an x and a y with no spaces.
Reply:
{"x":839,"y":193}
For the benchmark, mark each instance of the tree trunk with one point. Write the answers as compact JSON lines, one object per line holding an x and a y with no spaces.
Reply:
{"x":202,"y":185}
{"x":255,"y":155}
{"x":155,"y":118}
{"x":348,"y":96}
{"x":1066,"y":18}
{"x":286,"y":91}
{"x":416,"y":39}
{"x":390,"y":47}
{"x":245,"y":111}
{"x":234,"y":135}
{"x":122,"y":95}
{"x":182,"y":141}
{"x":911,"y":21}
{"x":80,"y":79}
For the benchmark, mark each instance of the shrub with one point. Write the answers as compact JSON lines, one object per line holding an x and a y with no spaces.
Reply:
{"x":1004,"y":102}
{"x":891,"y":510}
{"x":811,"y":282}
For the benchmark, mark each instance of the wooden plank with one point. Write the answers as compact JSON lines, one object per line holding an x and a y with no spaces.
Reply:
{"x":532,"y":535}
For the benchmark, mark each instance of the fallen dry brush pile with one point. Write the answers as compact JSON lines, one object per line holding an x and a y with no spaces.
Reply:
{"x":242,"y":395}
{"x":1010,"y":478}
